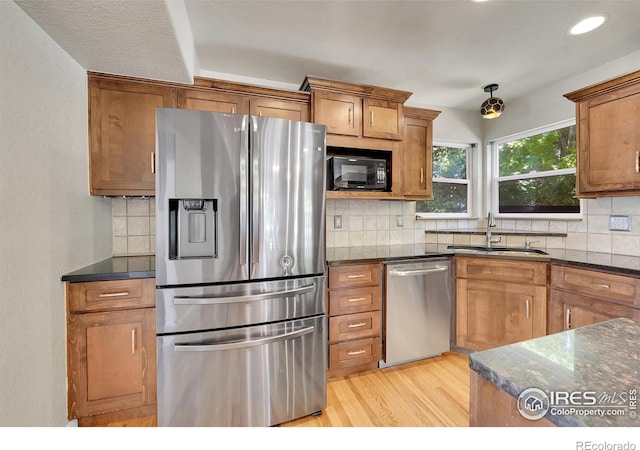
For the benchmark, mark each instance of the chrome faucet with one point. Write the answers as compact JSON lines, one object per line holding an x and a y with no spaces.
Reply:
{"x":490,"y":224}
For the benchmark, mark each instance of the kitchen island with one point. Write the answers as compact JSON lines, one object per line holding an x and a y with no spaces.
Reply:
{"x":589,"y":377}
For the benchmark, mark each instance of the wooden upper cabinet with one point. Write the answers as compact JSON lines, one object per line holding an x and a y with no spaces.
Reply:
{"x":340,"y":113}
{"x":213,"y":101}
{"x":418,"y":153}
{"x":122,"y":131}
{"x":382,"y":119}
{"x":608,"y":137}
{"x":242,"y":104}
{"x":357,"y":110}
{"x":279,"y":109}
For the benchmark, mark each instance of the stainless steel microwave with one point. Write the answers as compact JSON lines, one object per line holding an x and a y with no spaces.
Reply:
{"x":357,"y":173}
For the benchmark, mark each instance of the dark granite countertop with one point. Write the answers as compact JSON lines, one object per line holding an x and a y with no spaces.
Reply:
{"x":620,"y":264}
{"x":115,"y":268}
{"x":123,"y":267}
{"x":600,"y":362}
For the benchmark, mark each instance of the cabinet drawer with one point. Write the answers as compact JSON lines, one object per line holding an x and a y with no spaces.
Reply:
{"x":356,"y":275}
{"x":513,"y":271}
{"x":354,"y":326}
{"x":106,"y":295}
{"x":601,"y":285}
{"x":354,"y":353}
{"x":349,"y":301}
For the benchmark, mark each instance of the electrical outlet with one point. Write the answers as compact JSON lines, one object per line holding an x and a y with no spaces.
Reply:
{"x":620,"y":223}
{"x":337,"y":221}
{"x":399,"y":222}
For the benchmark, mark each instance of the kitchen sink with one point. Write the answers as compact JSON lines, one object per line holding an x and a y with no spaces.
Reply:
{"x":513,"y":251}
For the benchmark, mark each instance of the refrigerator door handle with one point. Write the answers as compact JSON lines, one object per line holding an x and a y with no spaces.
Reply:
{"x":242,"y":344}
{"x":256,"y":224}
{"x":207,"y":300}
{"x":244,"y":156}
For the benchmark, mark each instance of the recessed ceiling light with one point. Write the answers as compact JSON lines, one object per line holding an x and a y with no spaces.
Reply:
{"x":588,"y":24}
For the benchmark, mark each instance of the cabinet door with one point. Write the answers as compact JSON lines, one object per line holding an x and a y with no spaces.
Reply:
{"x":418,"y":159}
{"x":341,"y":113}
{"x":382,"y":119}
{"x":279,"y":109}
{"x":609,"y":142}
{"x":112,"y":361}
{"x":490,"y":314}
{"x":568,"y":311}
{"x":122,"y":135}
{"x":213,"y":101}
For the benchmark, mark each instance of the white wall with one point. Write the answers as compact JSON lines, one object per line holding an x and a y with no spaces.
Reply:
{"x":49,"y":225}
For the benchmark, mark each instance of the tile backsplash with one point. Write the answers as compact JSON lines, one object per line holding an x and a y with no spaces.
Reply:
{"x":375,"y":222}
{"x":392,"y":222}
{"x":134,"y":226}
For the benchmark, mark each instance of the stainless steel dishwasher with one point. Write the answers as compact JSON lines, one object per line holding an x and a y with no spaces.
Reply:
{"x":417,"y":310}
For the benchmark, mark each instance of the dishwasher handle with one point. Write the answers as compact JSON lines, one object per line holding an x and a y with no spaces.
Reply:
{"x":415,"y":272}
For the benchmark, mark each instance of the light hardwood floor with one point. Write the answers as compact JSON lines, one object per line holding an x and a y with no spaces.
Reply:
{"x":433,"y":392}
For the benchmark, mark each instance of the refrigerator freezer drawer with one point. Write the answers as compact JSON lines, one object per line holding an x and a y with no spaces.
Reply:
{"x":211,"y":307}
{"x":251,"y":376}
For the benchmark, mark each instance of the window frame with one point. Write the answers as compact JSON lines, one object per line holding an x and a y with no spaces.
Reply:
{"x":492,"y":194}
{"x":473,"y":172}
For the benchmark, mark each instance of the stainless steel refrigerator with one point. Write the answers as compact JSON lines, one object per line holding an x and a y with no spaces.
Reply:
{"x":240,"y":269}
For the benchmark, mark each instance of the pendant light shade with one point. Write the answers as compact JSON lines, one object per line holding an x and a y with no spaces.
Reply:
{"x":493,"y":106}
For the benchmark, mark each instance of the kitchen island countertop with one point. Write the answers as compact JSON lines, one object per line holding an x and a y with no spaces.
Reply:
{"x":598,"y":361}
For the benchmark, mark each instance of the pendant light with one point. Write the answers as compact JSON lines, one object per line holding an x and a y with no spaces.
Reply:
{"x":493,"y":106}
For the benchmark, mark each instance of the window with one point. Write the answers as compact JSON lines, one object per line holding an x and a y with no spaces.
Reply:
{"x":534,"y":173}
{"x":452,"y":189}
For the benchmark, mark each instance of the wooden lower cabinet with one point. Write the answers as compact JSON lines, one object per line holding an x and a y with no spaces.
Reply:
{"x":499,"y":302}
{"x":355,"y":318}
{"x":580,"y":297}
{"x":111,"y":353}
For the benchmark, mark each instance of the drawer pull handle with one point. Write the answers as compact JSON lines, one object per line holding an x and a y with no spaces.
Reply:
{"x":356,"y":352}
{"x":605,"y":286}
{"x":526,"y":306}
{"x":356,"y":325}
{"x":113,"y":294}
{"x":356,"y":299}
{"x":421,"y":175}
{"x":637,"y":162}
{"x":352,"y":277}
{"x":133,"y":341}
{"x":349,"y":116}
{"x":153,"y":162}
{"x":567,"y":319}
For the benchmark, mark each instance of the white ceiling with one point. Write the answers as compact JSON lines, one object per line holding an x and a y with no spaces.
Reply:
{"x":442,"y":51}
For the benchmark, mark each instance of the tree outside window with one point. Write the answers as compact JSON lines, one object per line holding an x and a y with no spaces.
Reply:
{"x":536,"y":173}
{"x":451,"y":187}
